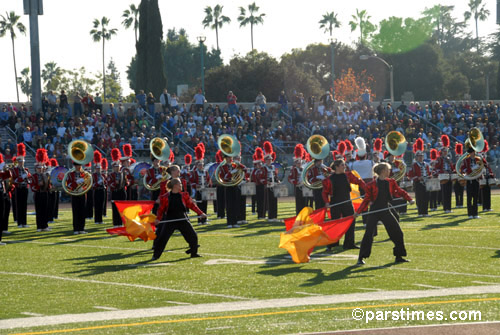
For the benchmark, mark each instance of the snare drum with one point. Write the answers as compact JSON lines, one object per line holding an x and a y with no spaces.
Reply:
{"x":307,"y":192}
{"x":280,"y":191}
{"x":209,"y":193}
{"x":482,"y":182}
{"x":454,"y":176}
{"x":444,"y":178}
{"x":493,"y":181}
{"x":432,"y":185}
{"x":248,"y":189}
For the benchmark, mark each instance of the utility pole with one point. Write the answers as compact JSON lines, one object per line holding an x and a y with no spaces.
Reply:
{"x":33,"y":8}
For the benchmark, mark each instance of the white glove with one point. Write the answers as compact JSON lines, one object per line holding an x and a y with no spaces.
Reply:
{"x":80,"y":180}
{"x":320,"y":177}
{"x":24,"y":175}
{"x":158,"y":176}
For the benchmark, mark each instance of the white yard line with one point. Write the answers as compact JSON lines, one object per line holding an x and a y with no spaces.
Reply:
{"x":453,"y":246}
{"x":484,"y":282}
{"x":426,"y":286}
{"x":121,"y":284}
{"x":405,"y":295}
{"x":31,"y":314}
{"x":107,"y":308}
{"x":307,"y":293}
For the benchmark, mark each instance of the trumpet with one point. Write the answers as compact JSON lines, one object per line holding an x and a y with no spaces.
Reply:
{"x":318,"y":148}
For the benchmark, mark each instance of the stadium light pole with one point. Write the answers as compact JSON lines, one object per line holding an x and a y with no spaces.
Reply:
{"x":33,"y":8}
{"x":332,"y":49}
{"x":391,"y":72}
{"x":202,"y":39}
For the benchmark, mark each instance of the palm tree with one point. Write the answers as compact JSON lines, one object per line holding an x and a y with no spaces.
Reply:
{"x":480,"y":13}
{"x":9,"y":23}
{"x":361,"y":20}
{"x":215,"y":20}
{"x":101,"y":32}
{"x":328,"y":22}
{"x":50,"y":72}
{"x":131,"y":16}
{"x":253,"y":18}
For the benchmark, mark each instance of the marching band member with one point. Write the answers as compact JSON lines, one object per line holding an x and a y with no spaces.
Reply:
{"x":419,"y":173}
{"x":116,"y":182}
{"x":104,"y":171}
{"x":221,"y":191}
{"x":444,"y":165}
{"x":21,"y":177}
{"x":130,"y":183}
{"x":433,"y":195}
{"x":51,"y":198}
{"x":39,"y":186}
{"x":5,"y":200}
{"x":186,"y":172}
{"x":242,"y":203}
{"x":260,"y":187}
{"x":199,"y":180}
{"x":257,"y":163}
{"x":315,"y":174}
{"x":487,"y":174}
{"x":13,"y":191}
{"x":459,"y":188}
{"x":469,"y":164}
{"x":269,"y":177}
{"x":396,"y":166}
{"x":295,"y":177}
{"x":89,"y":201}
{"x":337,"y":189}
{"x":174,"y":205}
{"x":232,"y":198}
{"x":306,"y":158}
{"x":363,"y":166}
{"x":379,"y":193}
{"x":74,"y":179}
{"x":349,"y":159}
{"x":153,"y":175}
{"x":377,"y":150}
{"x":99,"y":187}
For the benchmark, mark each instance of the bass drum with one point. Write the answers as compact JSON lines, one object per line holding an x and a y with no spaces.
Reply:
{"x":57,"y":176}
{"x":139,"y":170}
{"x":280,"y":170}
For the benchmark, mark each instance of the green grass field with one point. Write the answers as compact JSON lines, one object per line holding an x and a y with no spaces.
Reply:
{"x":55,"y":273}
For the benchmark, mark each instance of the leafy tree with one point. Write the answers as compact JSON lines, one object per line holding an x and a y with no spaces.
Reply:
{"x":362,"y":20}
{"x":350,"y":86}
{"x":215,"y":20}
{"x":150,"y":75}
{"x":328,"y":22}
{"x":131,"y":17}
{"x":113,"y":79}
{"x":253,"y":18}
{"x":25,"y":82}
{"x":479,"y":12}
{"x":9,"y":24}
{"x":77,"y":80}
{"x":98,"y":33}
{"x":51,"y":74}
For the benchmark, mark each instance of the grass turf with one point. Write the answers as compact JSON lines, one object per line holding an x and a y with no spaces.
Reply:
{"x":447,"y":250}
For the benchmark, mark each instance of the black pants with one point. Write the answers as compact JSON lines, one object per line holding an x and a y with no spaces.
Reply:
{"x":4,"y":223}
{"x":117,"y":195}
{"x":202,"y":204}
{"x":56,"y":205}
{"x":132,"y":193}
{"x":271,"y":203}
{"x":154,"y":197}
{"x":78,"y":207}
{"x":254,"y":203}
{"x":41,"y":208}
{"x":51,"y":206}
{"x":421,"y":198}
{"x":260,"y":191}
{"x":14,"y":204}
{"x":433,"y":199}
{"x":446,"y":192}
{"x":168,"y":229}
{"x":232,"y":204}
{"x":459,"y":194}
{"x":318,"y":198}
{"x":98,"y":199}
{"x":221,"y":201}
{"x":402,"y":209}
{"x":342,"y":211}
{"x":472,"y":197}
{"x":22,"y":205}
{"x":486,"y":197}
{"x":89,"y":205}
{"x":5,"y":212}
{"x":105,"y":204}
{"x":242,"y":205}
{"x":393,"y":230}
{"x":300,"y":201}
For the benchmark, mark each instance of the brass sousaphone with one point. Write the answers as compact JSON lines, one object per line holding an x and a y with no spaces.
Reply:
{"x":317,"y":146}
{"x":160,"y":150}
{"x":229,"y":146}
{"x":476,"y":142}
{"x":82,"y":153}
{"x":396,"y":144}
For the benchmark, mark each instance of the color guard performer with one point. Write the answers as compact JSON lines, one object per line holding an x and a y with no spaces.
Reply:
{"x":295,"y":177}
{"x":74,"y":179}
{"x":444,"y":165}
{"x":200,"y":179}
{"x":99,"y":187}
{"x":116,"y":182}
{"x":458,"y":188}
{"x":21,"y":177}
{"x":379,"y":193}
{"x":419,"y":173}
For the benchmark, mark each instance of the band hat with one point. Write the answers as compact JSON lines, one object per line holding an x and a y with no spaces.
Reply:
{"x":419,"y":153}
{"x":124,"y":158}
{"x":116,"y":163}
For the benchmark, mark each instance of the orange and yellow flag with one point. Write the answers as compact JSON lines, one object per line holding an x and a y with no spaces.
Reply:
{"x":137,"y":220}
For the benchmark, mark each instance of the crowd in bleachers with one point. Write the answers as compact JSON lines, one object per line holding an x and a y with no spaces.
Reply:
{"x":288,"y":121}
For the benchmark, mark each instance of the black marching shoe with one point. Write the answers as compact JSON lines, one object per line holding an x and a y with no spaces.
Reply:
{"x":400,"y":259}
{"x":360,"y":261}
{"x":195,"y":255}
{"x":154,"y":258}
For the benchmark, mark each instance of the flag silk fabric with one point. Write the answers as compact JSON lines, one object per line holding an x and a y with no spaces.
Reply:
{"x":309,"y":231}
{"x":137,"y":220}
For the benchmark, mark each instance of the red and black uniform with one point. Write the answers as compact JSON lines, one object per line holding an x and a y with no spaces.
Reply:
{"x":486,"y":189}
{"x":336,"y":190}
{"x":295,"y":179}
{"x":39,"y":187}
{"x":174,"y":206}
{"x":260,"y":191}
{"x":468,"y":166}
{"x":200,"y":180}
{"x":444,"y":166}
{"x":315,"y":174}
{"x":396,"y":167}
{"x":20,"y":177}
{"x":99,"y":188}
{"x":89,"y":202}
{"x":378,"y":195}
{"x":152,"y":176}
{"x":420,"y":170}
{"x":253,"y":179}
{"x":242,"y":199}
{"x":130,"y":184}
{"x":186,"y":175}
{"x":51,"y":200}
{"x":268,"y":176}
{"x":116,"y":184}
{"x":74,"y":179}
{"x":4,"y":202}
{"x":232,"y":197}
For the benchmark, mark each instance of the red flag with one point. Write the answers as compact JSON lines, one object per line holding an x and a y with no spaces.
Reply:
{"x":318,"y":216}
{"x":337,"y":228}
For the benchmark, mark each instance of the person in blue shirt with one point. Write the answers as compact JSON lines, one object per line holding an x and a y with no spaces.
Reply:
{"x":141,"y":99}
